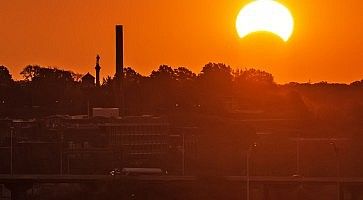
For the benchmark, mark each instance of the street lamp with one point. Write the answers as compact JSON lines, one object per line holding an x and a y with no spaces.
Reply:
{"x":61,"y":153}
{"x":183,"y":155}
{"x":11,"y":149}
{"x":298,"y":154}
{"x":337,"y":158}
{"x":248,"y":156}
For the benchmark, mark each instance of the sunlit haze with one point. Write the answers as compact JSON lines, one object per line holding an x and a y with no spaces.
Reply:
{"x":181,"y":99}
{"x":326,"y":44}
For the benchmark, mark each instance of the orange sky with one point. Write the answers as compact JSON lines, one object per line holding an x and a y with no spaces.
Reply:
{"x":327,"y":43}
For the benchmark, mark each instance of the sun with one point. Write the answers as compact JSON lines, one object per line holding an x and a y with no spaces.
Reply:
{"x":265,"y":15}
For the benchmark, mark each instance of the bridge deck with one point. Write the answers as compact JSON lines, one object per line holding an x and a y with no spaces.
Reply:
{"x":100,"y":178}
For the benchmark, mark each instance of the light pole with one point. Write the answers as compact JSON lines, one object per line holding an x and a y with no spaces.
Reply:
{"x":183,"y":155}
{"x":248,"y":156}
{"x":68,"y":168}
{"x":11,"y":149}
{"x":61,"y":154}
{"x":337,"y":158}
{"x":298,"y":154}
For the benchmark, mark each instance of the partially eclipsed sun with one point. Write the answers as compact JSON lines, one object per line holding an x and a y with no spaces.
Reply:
{"x":265,"y":15}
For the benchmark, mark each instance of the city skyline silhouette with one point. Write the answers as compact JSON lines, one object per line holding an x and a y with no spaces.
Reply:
{"x":325,"y":45}
{"x":181,"y":100}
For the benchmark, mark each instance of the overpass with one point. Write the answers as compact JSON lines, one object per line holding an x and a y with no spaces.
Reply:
{"x":5,"y":178}
{"x":19,"y":184}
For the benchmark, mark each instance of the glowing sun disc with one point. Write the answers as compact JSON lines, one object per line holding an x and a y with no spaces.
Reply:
{"x":265,"y":15}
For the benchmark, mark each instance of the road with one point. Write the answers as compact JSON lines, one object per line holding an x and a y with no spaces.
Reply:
{"x":100,"y":178}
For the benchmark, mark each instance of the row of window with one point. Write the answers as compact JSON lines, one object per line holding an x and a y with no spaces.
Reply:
{"x":136,"y":128}
{"x":137,"y":139}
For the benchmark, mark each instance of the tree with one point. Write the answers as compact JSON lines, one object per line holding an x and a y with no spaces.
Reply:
{"x":184,"y":74}
{"x":107,"y":82}
{"x":38,"y":73}
{"x":216,"y":77}
{"x":6,"y":92}
{"x":131,"y":76}
{"x":51,"y":89}
{"x":253,"y":76}
{"x":30,"y":71}
{"x":215,"y":86}
{"x":254,"y":89}
{"x":357,"y":83}
{"x":133,"y":91}
{"x":160,"y":89}
{"x":164,"y":73}
{"x":77,"y":77}
{"x":5,"y":76}
{"x":185,"y":88}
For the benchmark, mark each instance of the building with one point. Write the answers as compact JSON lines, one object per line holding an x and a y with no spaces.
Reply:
{"x":31,"y":150}
{"x":141,"y":141}
{"x":97,"y":145}
{"x":85,"y":150}
{"x":88,"y":80}
{"x":5,"y":137}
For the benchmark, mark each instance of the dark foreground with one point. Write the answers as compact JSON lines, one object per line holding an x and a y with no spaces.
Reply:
{"x":178,"y":187}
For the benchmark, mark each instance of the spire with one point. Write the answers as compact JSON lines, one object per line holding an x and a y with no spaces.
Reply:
{"x":98,"y":68}
{"x":98,"y":59}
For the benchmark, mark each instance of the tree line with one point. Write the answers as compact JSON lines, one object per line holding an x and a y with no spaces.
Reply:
{"x":216,"y":90}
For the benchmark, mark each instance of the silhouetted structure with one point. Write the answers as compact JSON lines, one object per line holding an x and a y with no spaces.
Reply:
{"x":207,"y":125}
{"x":119,"y":52}
{"x":88,"y":80}
{"x":98,"y":68}
{"x":120,"y":69}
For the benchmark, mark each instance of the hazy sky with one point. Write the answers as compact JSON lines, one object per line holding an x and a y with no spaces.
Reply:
{"x":327,"y":43}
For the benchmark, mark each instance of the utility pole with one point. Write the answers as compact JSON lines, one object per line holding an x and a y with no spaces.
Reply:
{"x":298,"y":169}
{"x":88,"y":107}
{"x":338,"y":175}
{"x":248,"y":156}
{"x":183,"y":156}
{"x":11,"y":150}
{"x":68,"y":167}
{"x":298,"y":154}
{"x":61,"y":153}
{"x":248,"y":174}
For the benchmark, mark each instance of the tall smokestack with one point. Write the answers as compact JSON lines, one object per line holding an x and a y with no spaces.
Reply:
{"x":120,"y":100}
{"x":119,"y":52}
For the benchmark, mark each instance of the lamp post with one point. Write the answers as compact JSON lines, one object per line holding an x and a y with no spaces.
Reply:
{"x":298,"y":169}
{"x":298,"y":154}
{"x":337,"y":158}
{"x":61,"y":154}
{"x":248,"y":156}
{"x":183,"y":154}
{"x":68,"y":167}
{"x":11,"y":149}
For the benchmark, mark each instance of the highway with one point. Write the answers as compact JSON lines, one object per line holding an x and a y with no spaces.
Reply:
{"x":182,"y":179}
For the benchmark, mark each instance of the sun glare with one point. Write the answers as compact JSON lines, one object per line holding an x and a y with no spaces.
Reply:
{"x":265,"y":15}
